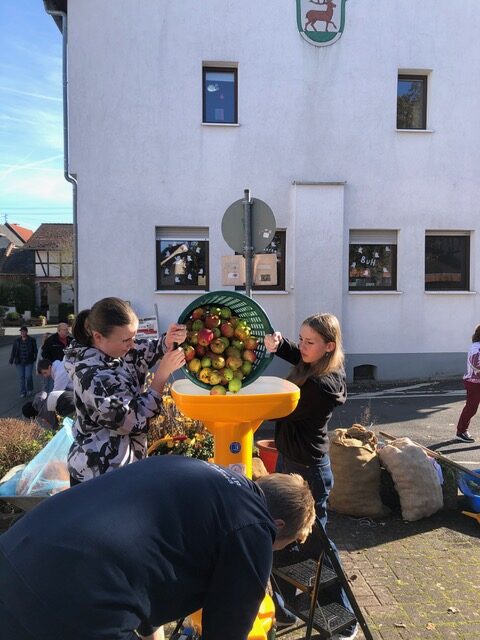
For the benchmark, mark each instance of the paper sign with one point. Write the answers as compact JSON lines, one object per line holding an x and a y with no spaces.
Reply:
{"x":147,"y":328}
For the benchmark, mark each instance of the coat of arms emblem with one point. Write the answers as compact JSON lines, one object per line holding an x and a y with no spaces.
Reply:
{"x":321,"y":22}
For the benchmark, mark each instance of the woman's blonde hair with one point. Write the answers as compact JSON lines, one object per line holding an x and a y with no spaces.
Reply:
{"x":289,"y":499}
{"x":328,"y":327}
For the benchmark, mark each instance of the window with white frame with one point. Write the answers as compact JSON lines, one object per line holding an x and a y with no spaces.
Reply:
{"x":182,"y":258}
{"x":372,"y":260}
{"x":220,"y":95}
{"x":411,"y":101}
{"x":447,"y":260}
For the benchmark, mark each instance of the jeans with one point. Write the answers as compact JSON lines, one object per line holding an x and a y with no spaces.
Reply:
{"x":25,"y":378}
{"x":320,"y":479}
{"x":470,"y":409}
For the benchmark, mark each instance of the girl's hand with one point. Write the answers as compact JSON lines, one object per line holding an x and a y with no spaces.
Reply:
{"x":170,"y":362}
{"x":272,"y":341}
{"x":176,"y":333}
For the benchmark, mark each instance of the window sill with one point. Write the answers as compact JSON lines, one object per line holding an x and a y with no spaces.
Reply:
{"x":256,"y":292}
{"x":415,"y":130}
{"x":376,"y":293}
{"x":220,"y":124}
{"x":450,"y":293}
{"x":198,"y":292}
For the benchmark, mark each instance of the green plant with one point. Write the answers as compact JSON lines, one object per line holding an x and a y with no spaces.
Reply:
{"x":173,"y":433}
{"x":18,"y":294}
{"x":20,"y":441}
{"x":13,"y":315}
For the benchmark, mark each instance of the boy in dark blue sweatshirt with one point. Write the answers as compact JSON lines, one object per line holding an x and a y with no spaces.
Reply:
{"x":147,"y":544}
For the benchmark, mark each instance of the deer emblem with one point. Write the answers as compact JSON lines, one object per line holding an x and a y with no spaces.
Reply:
{"x":325,"y":15}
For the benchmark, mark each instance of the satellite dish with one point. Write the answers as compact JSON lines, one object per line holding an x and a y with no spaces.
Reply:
{"x":263,"y":226}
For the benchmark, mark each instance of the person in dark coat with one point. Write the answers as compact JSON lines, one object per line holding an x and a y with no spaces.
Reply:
{"x":54,"y":346}
{"x":152,"y":542}
{"x":23,"y":356}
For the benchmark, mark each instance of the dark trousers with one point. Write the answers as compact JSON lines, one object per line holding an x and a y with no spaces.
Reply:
{"x":320,"y":479}
{"x":471,"y":406}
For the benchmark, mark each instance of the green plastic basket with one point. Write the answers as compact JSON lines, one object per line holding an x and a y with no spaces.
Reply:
{"x":246,"y":308}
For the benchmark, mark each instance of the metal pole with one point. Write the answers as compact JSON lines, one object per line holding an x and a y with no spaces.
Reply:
{"x":248,"y":248}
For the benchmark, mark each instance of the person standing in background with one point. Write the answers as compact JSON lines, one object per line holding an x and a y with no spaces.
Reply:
{"x":23,"y":356}
{"x":53,"y":348}
{"x":471,"y":382}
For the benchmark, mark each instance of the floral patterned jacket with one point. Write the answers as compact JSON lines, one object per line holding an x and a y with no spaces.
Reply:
{"x":112,"y":406}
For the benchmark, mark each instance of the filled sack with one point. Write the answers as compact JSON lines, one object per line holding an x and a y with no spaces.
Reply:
{"x":356,"y":473}
{"x":416,"y":481}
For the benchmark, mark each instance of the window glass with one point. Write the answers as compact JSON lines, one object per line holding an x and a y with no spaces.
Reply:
{"x":411,"y":102}
{"x":182,"y":263}
{"x":372,"y":266}
{"x":278,"y":247}
{"x":447,"y":262}
{"x":220,"y":95}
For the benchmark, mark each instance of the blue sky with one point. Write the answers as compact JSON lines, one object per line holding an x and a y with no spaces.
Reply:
{"x":32,"y":187}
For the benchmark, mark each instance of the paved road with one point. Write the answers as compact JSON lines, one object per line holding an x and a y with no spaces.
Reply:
{"x":425,"y":411}
{"x":10,"y":402}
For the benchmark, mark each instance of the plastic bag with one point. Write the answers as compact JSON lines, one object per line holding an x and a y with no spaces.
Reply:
{"x":47,"y":473}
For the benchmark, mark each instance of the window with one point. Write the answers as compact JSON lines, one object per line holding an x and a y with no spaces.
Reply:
{"x":412,"y":102}
{"x":277,"y":246}
{"x":182,"y":258}
{"x":372,"y":260}
{"x":220,"y":95}
{"x":447,"y":261}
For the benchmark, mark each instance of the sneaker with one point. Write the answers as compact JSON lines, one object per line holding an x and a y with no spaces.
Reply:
{"x":465,"y":436}
{"x":347,"y":636}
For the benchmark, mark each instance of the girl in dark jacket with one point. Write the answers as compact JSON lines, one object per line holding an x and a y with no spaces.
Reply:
{"x":301,"y":437}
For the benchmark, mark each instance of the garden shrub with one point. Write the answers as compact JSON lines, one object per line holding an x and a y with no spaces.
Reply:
{"x":20,"y":441}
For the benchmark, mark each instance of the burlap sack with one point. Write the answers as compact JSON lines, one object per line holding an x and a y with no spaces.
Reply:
{"x":356,"y":473}
{"x":258,"y":468}
{"x":415,"y":478}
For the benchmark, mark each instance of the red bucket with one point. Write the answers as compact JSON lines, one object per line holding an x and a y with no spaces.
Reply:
{"x":268,"y":454}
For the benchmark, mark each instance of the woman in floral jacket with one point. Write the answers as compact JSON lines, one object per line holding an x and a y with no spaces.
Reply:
{"x":108,"y":366}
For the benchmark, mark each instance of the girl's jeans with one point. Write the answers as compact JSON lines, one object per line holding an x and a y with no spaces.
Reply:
{"x":25,"y":377}
{"x":470,"y":409}
{"x":320,"y":479}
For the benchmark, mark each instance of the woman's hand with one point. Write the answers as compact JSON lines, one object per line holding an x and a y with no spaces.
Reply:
{"x":272,"y":341}
{"x":176,"y":333}
{"x":170,"y":362}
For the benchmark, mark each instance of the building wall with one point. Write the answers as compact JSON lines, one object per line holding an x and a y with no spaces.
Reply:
{"x":325,"y":116}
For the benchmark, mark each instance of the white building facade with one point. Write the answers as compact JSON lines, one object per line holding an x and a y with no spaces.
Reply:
{"x":367,"y":150}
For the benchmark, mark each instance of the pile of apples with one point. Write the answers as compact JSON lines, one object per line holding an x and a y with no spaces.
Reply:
{"x":219,"y":349}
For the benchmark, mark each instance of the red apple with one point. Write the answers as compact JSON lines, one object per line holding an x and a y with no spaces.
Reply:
{"x":212,"y":321}
{"x":234,"y":363}
{"x":200,"y":350}
{"x":205,"y":336}
{"x":227,"y":329}
{"x":189,"y":352}
{"x":197,"y":314}
{"x":249,"y":355}
{"x":218,"y":390}
{"x":251,"y":343}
